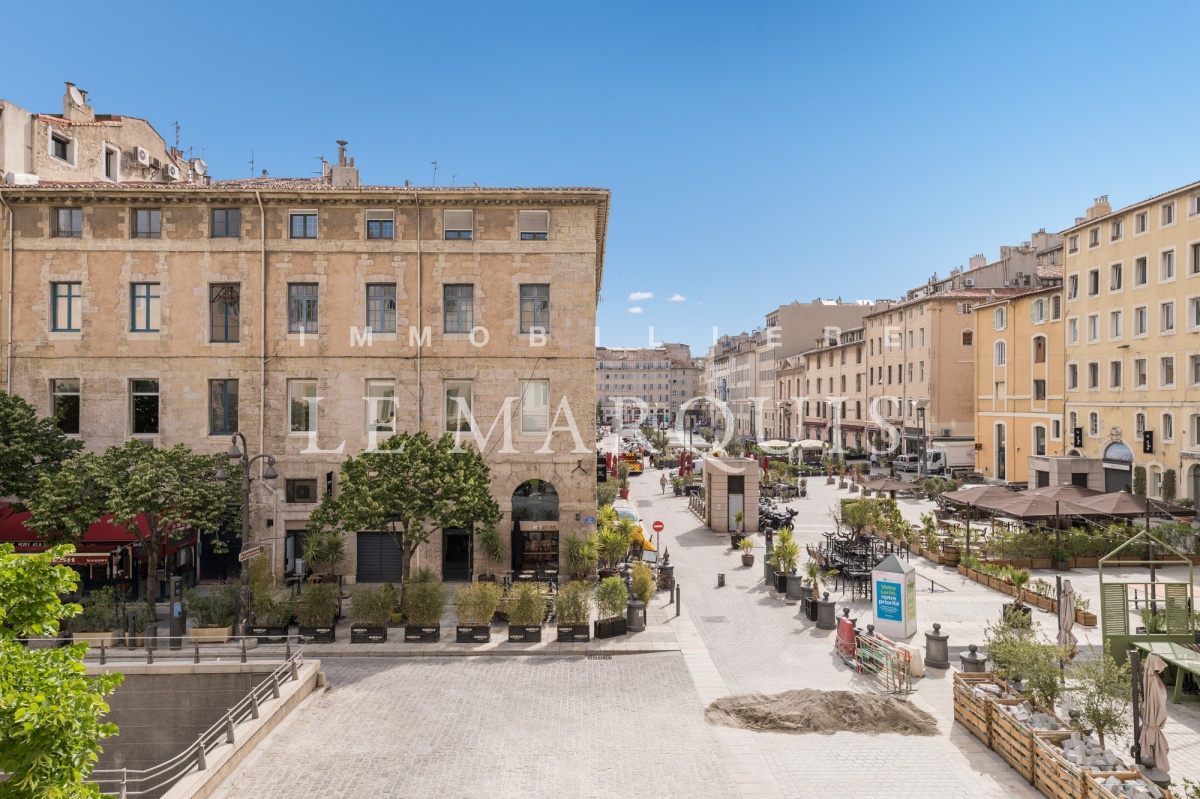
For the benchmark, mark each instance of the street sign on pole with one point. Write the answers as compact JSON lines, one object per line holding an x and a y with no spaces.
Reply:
{"x":247,"y":554}
{"x":658,"y":527}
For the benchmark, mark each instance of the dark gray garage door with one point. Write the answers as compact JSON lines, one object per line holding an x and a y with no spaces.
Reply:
{"x":379,"y":559}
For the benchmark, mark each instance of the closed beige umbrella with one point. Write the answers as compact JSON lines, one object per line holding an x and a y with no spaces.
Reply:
{"x":1066,"y":616}
{"x":1154,"y":713}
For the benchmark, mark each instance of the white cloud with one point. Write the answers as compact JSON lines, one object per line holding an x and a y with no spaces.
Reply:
{"x":677,"y":298}
{"x":638,"y":296}
{"x":635,"y":309}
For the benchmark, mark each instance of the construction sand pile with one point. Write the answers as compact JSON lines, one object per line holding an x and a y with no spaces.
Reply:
{"x":824,"y":712}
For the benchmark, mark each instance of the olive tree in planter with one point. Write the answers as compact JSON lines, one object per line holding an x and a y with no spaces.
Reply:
{"x":212,"y":614}
{"x":474,"y":605}
{"x":316,"y":610}
{"x":370,"y":608}
{"x":526,"y":612}
{"x":99,"y":622}
{"x":1099,"y":687}
{"x":573,"y":609}
{"x":746,"y":547}
{"x":611,"y":598}
{"x":424,"y":602}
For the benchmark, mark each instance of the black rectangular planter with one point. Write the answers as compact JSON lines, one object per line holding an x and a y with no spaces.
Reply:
{"x":472,"y":633}
{"x":319,"y":635}
{"x":610,"y":628}
{"x":364,"y":634}
{"x":422,"y":633}
{"x":573,"y":633}
{"x":810,"y":608}
{"x":269,"y":633}
{"x":524,"y":633}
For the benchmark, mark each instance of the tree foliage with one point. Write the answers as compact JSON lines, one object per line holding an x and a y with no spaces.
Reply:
{"x":410,"y":486}
{"x":171,"y":492}
{"x":30,"y":448}
{"x":50,"y":710}
{"x":1100,"y":688}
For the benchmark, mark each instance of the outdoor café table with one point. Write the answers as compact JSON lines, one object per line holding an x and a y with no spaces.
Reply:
{"x":1181,"y":656}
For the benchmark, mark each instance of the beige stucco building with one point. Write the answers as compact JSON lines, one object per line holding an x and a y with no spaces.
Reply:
{"x":317,"y":316}
{"x":1132,"y":328}
{"x":835,"y":388}
{"x":663,"y":378}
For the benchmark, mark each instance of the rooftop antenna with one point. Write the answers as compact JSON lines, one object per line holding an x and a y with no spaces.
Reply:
{"x":251,"y":162}
{"x":452,"y":179}
{"x":320,"y":158}
{"x":176,"y":135}
{"x":435,"y":169}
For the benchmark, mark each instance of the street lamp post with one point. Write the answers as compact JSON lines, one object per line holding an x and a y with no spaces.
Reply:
{"x":240,"y":457}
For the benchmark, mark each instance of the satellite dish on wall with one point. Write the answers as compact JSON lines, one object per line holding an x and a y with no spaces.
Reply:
{"x":76,"y":96}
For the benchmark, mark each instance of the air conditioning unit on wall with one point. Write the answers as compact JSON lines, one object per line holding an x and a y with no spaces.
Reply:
{"x":141,"y":155}
{"x":172,"y":171}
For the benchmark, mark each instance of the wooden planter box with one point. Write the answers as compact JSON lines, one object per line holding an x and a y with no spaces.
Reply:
{"x":1085,"y":618}
{"x":1021,"y":563}
{"x":210,"y":635}
{"x":367,"y":634}
{"x":1084,"y":563}
{"x":472,"y":633}
{"x":422,"y":633}
{"x":1012,"y":740}
{"x":610,"y":628}
{"x":269,"y":633}
{"x":1041,"y":602}
{"x":1054,"y":776}
{"x":963,"y":570}
{"x":325,"y":634}
{"x":524,"y":633}
{"x":972,"y":711}
{"x":1042,"y":563}
{"x":108,"y":638}
{"x":1092,"y":789}
{"x":574,"y":633}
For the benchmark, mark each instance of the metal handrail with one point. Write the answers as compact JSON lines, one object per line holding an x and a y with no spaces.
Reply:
{"x":133,"y":782}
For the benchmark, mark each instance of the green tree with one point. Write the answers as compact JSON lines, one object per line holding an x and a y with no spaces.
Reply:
{"x":157,"y":495}
{"x":1139,"y":480}
{"x":408,"y":487}
{"x":1100,"y":687}
{"x":29,"y":449}
{"x":1168,"y":486}
{"x":50,"y":710}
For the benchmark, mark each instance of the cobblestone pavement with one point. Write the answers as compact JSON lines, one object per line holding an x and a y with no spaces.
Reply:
{"x":495,"y":727}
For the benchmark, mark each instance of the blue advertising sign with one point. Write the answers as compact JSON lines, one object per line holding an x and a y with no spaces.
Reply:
{"x":589,"y":520}
{"x":724,"y":390}
{"x":888,"y":597}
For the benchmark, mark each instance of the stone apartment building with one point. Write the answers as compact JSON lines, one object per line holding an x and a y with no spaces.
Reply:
{"x":318,"y":316}
{"x":661,"y":377}
{"x":1132,"y":329}
{"x":835,"y":383}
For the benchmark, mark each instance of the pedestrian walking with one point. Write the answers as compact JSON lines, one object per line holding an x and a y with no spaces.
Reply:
{"x":662,"y":481}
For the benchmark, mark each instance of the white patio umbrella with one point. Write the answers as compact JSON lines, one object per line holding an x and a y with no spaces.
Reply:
{"x":1066,"y":616}
{"x":1154,"y":713}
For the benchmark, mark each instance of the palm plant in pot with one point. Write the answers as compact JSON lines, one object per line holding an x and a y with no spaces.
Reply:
{"x":612,"y":544}
{"x":322,"y":551}
{"x":803,"y":485}
{"x":677,"y":485}
{"x":370,"y":608}
{"x":526,"y":611}
{"x":1019,"y":578}
{"x":611,"y":598}
{"x":815,"y":576}
{"x":582,"y":556}
{"x":493,"y":549}
{"x":316,"y":610}
{"x":424,"y":602}
{"x":573,"y":608}
{"x":623,"y":480}
{"x":475,"y":604}
{"x":746,"y":547}
{"x":739,"y":519}
{"x":785,"y":557}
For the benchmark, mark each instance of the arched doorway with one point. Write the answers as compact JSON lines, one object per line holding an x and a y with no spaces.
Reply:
{"x":1118,"y":467}
{"x":1195,"y":495}
{"x":1001,"y":449}
{"x":535,"y":530}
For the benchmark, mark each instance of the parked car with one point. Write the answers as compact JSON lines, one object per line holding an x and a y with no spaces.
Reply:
{"x":907,"y":463}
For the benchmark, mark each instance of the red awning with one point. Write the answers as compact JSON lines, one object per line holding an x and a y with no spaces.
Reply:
{"x":13,"y":530}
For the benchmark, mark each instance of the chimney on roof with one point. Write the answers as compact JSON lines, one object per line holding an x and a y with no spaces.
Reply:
{"x":75,"y":107}
{"x":1099,"y":208}
{"x":344,"y":175}
{"x":976,"y":261}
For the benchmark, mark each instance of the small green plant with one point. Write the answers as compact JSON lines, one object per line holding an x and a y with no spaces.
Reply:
{"x":612,"y":544}
{"x":1082,"y":603}
{"x":738,"y":518}
{"x":424,"y":602}
{"x":581,"y":556}
{"x":611,"y":598}
{"x":491,"y":544}
{"x":421,"y":574}
{"x":1168,"y":486}
{"x":573,"y":605}
{"x":606,"y":493}
{"x":746,"y":546}
{"x":785,"y":557}
{"x":526,"y":605}
{"x":1019,"y":579}
{"x":318,"y":605}
{"x":323,"y":550}
{"x":1152,"y":621}
{"x":1139,"y":480}
{"x":216,"y":609}
{"x":643,"y":582}
{"x":1100,"y":688}
{"x":101,"y":612}
{"x":476,"y":603}
{"x":816,"y":576}
{"x":371,"y":605}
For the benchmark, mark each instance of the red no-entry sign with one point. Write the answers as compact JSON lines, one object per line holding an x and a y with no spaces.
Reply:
{"x":658,"y":527}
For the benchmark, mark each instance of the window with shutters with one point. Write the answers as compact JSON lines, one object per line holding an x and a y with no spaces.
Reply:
{"x":458,"y":225}
{"x":534,"y":225}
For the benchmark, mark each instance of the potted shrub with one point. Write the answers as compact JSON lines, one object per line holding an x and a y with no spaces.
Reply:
{"x":784,"y":557}
{"x":272,"y":605}
{"x":746,"y":546}
{"x":1082,"y":614}
{"x":573,"y":608}
{"x":612,"y":544}
{"x":212,"y":614}
{"x":611,"y":599}
{"x":370,"y":608}
{"x":739,"y":519}
{"x":581,"y":556}
{"x":141,"y":625}
{"x":315,"y":611}
{"x":677,"y":485}
{"x":623,"y":480}
{"x":642,"y":586}
{"x":322,"y":551}
{"x":99,"y":622}
{"x":526,"y":611}
{"x":493,"y":549}
{"x":803,"y":484}
{"x":424,"y":602}
{"x":1018,"y":579}
{"x":815,"y":577}
{"x":474,"y":606}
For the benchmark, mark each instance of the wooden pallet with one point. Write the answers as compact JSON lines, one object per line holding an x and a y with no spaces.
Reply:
{"x":1053,"y":775}
{"x":972,"y":711}
{"x":1092,"y":789}
{"x":1013,"y":740}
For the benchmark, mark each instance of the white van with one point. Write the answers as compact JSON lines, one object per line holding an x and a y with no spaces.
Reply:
{"x":907,"y":463}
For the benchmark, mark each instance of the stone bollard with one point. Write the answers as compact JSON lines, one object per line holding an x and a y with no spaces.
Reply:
{"x":720,"y":579}
{"x":973,"y":662}
{"x":937,"y":648}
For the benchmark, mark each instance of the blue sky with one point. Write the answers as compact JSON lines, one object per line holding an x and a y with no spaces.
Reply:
{"x":758,"y":153}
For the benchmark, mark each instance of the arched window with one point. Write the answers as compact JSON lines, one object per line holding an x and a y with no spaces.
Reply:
{"x":1001,"y":353}
{"x":843,"y":383}
{"x":1039,"y":440}
{"x":968,"y":338}
{"x":843,"y":413}
{"x":1039,"y":349}
{"x":1093,"y":424}
{"x":1168,"y":427}
{"x":857,"y":409}
{"x":1139,"y":424}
